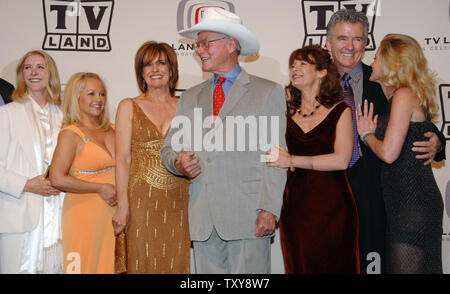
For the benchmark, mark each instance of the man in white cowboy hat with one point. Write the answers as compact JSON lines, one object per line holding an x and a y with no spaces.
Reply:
{"x":235,"y":198}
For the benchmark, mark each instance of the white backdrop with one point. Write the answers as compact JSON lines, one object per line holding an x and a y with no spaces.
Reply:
{"x":103,"y":37}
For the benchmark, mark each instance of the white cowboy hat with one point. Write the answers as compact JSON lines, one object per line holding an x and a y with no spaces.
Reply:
{"x":222,"y":21}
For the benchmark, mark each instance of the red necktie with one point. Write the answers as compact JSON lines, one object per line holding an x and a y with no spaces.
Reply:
{"x":219,"y":96}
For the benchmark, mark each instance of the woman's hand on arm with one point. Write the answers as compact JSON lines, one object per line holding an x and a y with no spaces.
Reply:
{"x":278,"y":157}
{"x":39,"y":185}
{"x":108,"y":193}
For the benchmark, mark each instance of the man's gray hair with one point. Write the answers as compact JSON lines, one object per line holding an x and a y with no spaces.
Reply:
{"x":348,"y":15}
{"x":238,"y":45}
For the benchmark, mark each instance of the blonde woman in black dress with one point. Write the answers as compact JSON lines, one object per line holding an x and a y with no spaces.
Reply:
{"x":413,"y":201}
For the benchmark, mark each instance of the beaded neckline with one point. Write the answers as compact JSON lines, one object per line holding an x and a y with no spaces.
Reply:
{"x":308,"y":115}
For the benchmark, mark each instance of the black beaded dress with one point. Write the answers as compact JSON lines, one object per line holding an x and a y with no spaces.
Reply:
{"x":414,"y":206}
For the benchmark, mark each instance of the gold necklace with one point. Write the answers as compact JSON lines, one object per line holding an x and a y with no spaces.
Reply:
{"x":308,"y":115}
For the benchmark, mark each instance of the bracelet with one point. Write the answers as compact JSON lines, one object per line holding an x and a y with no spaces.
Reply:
{"x":291,"y":165}
{"x":364,"y":135}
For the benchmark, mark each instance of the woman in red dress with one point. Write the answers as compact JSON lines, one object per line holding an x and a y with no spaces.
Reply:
{"x":318,"y":222}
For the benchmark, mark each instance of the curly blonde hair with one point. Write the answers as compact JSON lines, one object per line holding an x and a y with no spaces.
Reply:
{"x":403,"y":64}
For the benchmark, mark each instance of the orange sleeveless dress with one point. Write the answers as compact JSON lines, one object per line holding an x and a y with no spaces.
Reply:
{"x":87,"y":232}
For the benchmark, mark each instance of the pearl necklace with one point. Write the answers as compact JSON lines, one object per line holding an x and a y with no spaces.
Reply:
{"x":308,"y":115}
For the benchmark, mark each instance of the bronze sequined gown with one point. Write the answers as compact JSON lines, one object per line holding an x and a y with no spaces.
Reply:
{"x":158,"y":234}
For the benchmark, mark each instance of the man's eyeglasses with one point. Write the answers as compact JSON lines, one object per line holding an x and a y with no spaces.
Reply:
{"x":205,"y":44}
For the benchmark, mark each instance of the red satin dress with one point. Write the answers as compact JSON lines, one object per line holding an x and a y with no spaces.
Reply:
{"x":319,"y":221}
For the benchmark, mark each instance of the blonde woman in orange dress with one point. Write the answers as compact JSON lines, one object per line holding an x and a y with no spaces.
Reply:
{"x":152,"y":203}
{"x":83,"y":165}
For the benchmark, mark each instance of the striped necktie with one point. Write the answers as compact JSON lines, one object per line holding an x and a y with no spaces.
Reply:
{"x":347,"y":93}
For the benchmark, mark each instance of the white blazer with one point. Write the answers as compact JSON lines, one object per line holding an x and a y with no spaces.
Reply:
{"x":19,"y":211}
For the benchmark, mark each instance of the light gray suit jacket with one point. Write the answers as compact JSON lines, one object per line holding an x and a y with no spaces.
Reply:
{"x":234,"y":185}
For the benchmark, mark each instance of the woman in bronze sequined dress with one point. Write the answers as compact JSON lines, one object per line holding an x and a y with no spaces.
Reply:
{"x":153,"y":203}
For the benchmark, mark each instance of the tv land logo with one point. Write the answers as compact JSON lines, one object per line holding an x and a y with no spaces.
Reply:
{"x":189,"y":13}
{"x":444,"y":93}
{"x":77,"y":25}
{"x":436,"y":43}
{"x":317,"y":13}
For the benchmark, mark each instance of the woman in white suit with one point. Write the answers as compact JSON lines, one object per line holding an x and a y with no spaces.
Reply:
{"x":30,"y":233}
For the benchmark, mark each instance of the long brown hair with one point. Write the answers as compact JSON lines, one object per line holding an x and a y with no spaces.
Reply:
{"x":330,"y":87}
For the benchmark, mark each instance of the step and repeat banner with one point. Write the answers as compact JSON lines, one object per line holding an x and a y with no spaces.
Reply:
{"x":103,"y":36}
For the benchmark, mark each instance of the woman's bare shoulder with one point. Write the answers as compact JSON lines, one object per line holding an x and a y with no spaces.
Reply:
{"x":405,"y":95}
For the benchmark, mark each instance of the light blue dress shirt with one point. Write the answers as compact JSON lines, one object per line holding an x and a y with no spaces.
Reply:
{"x":230,"y":76}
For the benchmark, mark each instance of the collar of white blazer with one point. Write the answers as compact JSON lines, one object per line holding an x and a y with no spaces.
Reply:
{"x":225,"y":22}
